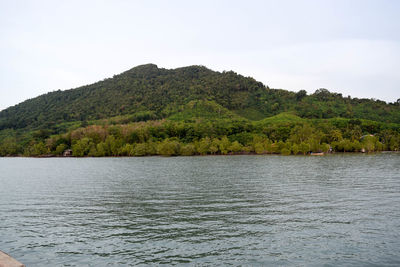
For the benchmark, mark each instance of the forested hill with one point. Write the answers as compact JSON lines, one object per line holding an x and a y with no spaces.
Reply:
{"x":148,"y":92}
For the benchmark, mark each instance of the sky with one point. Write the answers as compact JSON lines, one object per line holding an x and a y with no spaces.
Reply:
{"x":350,"y":46}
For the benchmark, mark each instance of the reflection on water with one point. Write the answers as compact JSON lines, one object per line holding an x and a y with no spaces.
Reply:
{"x":236,"y":210}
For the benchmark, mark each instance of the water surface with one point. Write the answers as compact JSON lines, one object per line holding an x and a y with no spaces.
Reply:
{"x":216,"y":210}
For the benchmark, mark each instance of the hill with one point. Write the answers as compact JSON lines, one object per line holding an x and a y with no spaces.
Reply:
{"x":161,"y":93}
{"x":190,"y":98}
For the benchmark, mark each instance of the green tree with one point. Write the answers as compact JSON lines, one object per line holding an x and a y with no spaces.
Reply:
{"x":368,"y":143}
{"x":169,"y":148}
{"x":188,"y":150}
{"x":335,"y":136}
{"x":304,"y":148}
{"x":82,"y":147}
{"x":101,"y":150}
{"x":259,"y":148}
{"x":214,"y":146}
{"x":127,"y":150}
{"x":9,"y":147}
{"x":301,"y":133}
{"x":60,"y":149}
{"x":140,"y":150}
{"x":224,"y":145}
{"x":37,"y":149}
{"x":285,"y":151}
{"x":235,"y":147}
{"x":151,"y":148}
{"x":295,"y":149}
{"x":203,"y":146}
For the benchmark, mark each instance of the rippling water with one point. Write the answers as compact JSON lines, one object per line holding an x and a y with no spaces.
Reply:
{"x":222,"y":210}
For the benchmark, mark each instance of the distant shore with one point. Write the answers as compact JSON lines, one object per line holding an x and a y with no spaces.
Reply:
{"x":216,"y":155}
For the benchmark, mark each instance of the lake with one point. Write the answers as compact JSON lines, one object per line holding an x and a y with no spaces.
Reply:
{"x":341,"y":209}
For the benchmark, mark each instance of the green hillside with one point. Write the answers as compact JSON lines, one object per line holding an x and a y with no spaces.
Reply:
{"x":148,"y":88}
{"x":184,"y":107}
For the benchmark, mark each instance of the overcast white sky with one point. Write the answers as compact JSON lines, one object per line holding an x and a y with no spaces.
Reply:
{"x":351,"y":47}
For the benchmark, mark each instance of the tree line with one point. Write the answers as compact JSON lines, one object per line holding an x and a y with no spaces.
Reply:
{"x":207,"y":137}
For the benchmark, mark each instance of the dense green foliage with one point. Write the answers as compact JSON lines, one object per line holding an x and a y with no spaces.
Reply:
{"x":281,"y":134}
{"x":194,"y":111}
{"x":147,"y":92}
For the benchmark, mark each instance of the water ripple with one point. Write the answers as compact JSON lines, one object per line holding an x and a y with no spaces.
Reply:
{"x":233,"y":210}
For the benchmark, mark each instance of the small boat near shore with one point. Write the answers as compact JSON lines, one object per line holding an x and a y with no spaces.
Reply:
{"x":317,"y":153}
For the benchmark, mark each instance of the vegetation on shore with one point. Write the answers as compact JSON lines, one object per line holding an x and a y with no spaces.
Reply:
{"x":282,"y":134}
{"x":194,"y":111}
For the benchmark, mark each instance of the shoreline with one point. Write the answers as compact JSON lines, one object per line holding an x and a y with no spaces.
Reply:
{"x":213,"y":155}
